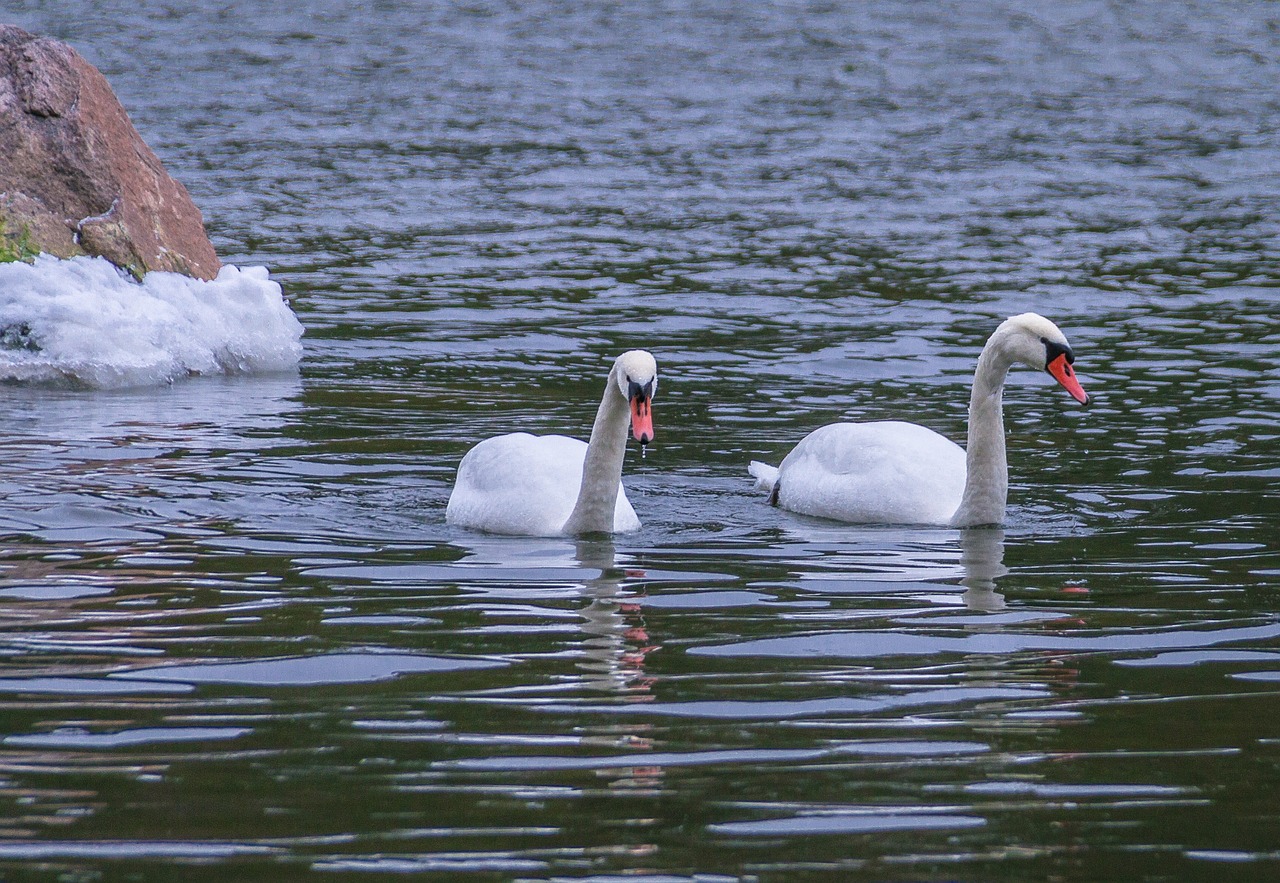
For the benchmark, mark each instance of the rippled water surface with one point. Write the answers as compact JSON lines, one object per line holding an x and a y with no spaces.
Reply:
{"x":238,"y":641}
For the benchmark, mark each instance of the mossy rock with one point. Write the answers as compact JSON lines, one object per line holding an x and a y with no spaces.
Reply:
{"x":28,"y":229}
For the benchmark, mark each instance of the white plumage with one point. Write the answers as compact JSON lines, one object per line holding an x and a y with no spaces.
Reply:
{"x":902,"y":473}
{"x":525,"y":484}
{"x":887,"y":473}
{"x":552,"y":484}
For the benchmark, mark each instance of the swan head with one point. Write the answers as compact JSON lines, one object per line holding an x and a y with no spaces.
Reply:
{"x":1036,"y":342}
{"x":636,"y":373}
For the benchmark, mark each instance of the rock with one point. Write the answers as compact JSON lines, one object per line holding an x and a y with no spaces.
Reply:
{"x":76,"y":177}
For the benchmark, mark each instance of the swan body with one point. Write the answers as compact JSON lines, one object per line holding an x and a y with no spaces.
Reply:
{"x":901,"y":473}
{"x":887,"y":472}
{"x":552,"y":485}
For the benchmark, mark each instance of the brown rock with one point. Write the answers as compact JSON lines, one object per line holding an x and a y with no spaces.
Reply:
{"x":75,"y":175}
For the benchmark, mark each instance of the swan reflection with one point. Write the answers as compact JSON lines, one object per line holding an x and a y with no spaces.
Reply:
{"x":614,"y":654}
{"x":617,"y":641}
{"x":921,"y":561}
{"x":982,"y":557}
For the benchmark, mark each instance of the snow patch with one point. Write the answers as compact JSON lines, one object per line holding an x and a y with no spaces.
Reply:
{"x":82,"y":322}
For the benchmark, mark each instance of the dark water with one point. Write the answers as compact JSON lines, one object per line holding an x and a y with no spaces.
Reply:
{"x":238,"y":642}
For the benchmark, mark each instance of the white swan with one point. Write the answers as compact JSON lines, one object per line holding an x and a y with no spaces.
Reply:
{"x":901,"y":473}
{"x":551,"y":484}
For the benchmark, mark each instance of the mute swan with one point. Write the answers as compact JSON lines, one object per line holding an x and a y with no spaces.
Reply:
{"x":901,"y":473}
{"x":550,"y":485}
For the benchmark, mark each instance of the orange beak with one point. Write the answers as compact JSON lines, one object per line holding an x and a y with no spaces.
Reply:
{"x":642,"y":419}
{"x":1062,"y":372}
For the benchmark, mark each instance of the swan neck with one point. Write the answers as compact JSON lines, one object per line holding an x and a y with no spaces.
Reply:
{"x":602,"y":466}
{"x":986,"y":487}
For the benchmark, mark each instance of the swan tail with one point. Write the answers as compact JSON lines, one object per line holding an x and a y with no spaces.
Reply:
{"x":766,"y":476}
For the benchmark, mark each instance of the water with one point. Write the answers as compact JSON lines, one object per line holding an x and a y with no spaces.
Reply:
{"x":239,"y":641}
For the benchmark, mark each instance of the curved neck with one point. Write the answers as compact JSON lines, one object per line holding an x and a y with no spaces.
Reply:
{"x":986,"y":485}
{"x":602,"y":466}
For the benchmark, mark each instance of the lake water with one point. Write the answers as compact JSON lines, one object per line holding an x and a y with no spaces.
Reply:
{"x":239,"y":642}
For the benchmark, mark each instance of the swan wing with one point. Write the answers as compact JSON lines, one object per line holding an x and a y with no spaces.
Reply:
{"x":518,"y":484}
{"x":766,"y":476}
{"x":524,"y":484}
{"x":888,"y":472}
{"x":624,"y":516}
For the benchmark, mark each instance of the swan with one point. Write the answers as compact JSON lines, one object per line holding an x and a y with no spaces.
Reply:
{"x":892,"y":472}
{"x":551,"y":485}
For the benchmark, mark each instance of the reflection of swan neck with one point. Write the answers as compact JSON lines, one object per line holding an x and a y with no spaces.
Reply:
{"x":982,"y":557}
{"x":605,"y":646}
{"x":596,"y":553}
{"x":602,"y":465}
{"x":986,"y":486}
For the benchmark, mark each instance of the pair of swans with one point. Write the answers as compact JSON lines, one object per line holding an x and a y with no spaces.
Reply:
{"x":886,"y":472}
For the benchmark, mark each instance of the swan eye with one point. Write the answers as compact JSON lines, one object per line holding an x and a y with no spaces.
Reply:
{"x":1053,"y":350}
{"x":643,"y":392}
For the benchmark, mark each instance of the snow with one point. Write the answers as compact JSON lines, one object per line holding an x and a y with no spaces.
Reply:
{"x":83,"y":322}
